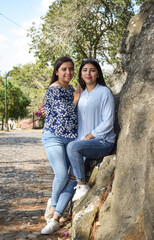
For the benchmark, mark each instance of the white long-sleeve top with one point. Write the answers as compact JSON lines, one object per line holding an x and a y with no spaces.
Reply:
{"x":96,"y":112}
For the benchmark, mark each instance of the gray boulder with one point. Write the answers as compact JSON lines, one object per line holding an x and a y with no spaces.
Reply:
{"x":124,"y":209}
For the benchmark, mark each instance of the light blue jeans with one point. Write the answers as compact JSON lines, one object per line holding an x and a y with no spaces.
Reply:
{"x":91,"y":149}
{"x":55,"y":148}
{"x":65,"y":197}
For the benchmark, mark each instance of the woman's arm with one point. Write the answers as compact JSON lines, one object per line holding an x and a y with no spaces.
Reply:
{"x":107,"y":115}
{"x":76,"y":94}
{"x":76,"y":98}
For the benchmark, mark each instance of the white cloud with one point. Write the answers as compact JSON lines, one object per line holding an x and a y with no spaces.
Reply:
{"x":23,"y":56}
{"x":3,"y":41}
{"x":45,"y":5}
{"x":16,"y":51}
{"x":2,"y":38}
{"x":25,"y":26}
{"x":20,"y":42}
{"x":15,"y":48}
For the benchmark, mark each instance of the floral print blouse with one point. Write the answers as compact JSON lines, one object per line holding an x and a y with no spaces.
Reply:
{"x":61,"y":113}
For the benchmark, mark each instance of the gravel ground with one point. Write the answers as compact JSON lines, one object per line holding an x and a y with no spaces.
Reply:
{"x":25,"y":186}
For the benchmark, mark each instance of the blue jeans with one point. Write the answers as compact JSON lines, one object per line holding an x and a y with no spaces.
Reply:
{"x":65,"y":197}
{"x":55,"y":148}
{"x":91,"y":149}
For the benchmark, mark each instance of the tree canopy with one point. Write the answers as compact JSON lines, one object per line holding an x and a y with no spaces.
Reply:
{"x":17,"y":101}
{"x":82,"y":29}
{"x":33,"y":79}
{"x":79,"y":29}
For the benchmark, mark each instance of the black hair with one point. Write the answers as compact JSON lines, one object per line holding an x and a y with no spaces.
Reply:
{"x":57,"y":65}
{"x":100,"y":79}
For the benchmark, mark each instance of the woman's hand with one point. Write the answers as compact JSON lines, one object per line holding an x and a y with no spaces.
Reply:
{"x":79,"y":89}
{"x":43,"y":112}
{"x":88,"y":136}
{"x":76,"y":94}
{"x":76,"y":98}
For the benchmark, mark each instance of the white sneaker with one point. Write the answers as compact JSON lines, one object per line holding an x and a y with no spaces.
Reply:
{"x":81,"y":190}
{"x":51,"y":227}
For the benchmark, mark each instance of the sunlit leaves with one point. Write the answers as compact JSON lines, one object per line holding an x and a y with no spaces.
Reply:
{"x":17,"y":101}
{"x":81,"y":29}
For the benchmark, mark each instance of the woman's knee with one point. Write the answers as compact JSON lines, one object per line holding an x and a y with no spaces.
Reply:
{"x":62,"y":178}
{"x":69,"y":147}
{"x":72,"y":147}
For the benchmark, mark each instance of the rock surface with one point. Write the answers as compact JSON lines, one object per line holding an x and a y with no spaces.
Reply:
{"x":127,"y":211}
{"x":86,"y":210}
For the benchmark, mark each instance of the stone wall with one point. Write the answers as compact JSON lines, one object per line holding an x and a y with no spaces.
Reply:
{"x":122,"y":208}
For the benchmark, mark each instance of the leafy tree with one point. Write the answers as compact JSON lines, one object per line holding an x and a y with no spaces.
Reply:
{"x":139,"y":2}
{"x":17,"y":101}
{"x":33,"y":79}
{"x":81,"y":29}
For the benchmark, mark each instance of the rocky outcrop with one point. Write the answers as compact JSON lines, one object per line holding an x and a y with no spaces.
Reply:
{"x":124,"y":209}
{"x":85,"y":212}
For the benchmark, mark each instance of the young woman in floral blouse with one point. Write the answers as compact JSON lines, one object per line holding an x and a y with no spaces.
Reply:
{"x":60,"y":128}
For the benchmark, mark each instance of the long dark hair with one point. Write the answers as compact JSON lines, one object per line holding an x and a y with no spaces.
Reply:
{"x":100,"y":79}
{"x":57,"y":65}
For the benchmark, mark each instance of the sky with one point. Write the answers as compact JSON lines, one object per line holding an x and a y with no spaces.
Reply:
{"x":15,"y":17}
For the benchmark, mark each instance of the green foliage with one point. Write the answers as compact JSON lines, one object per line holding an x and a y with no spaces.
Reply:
{"x":139,"y":2}
{"x":81,"y":29}
{"x":33,"y":79}
{"x":30,"y":80}
{"x":2,"y":98}
{"x":17,"y":101}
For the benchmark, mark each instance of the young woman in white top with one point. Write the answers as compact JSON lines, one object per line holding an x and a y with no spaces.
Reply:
{"x":96,"y":135}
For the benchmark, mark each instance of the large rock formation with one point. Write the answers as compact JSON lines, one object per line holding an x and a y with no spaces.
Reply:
{"x":124,"y":210}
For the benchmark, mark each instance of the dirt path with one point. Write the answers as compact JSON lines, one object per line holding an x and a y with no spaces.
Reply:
{"x":25,"y":186}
